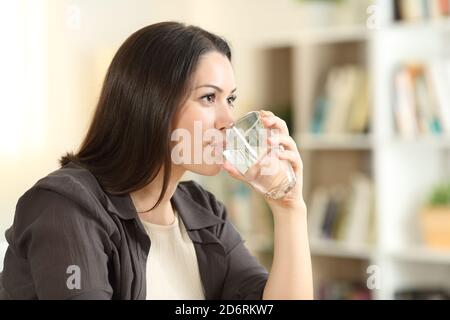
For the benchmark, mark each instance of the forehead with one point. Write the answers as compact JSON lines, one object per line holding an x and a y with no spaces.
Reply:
{"x":214,"y":68}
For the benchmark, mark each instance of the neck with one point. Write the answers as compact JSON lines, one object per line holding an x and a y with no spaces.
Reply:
{"x":145,"y":198}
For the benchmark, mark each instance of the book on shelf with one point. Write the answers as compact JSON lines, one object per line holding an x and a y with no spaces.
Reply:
{"x":422,"y":99}
{"x":358,"y":226}
{"x":421,"y":10}
{"x":343,"y":104}
{"x":343,"y":213}
{"x":439,"y":77}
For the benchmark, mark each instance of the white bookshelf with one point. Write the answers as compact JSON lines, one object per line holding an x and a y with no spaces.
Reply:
{"x":300,"y":63}
{"x":405,"y":169}
{"x":402,"y":170}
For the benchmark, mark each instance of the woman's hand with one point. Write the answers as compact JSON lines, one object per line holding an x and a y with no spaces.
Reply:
{"x":290,"y":276}
{"x":294,"y":199}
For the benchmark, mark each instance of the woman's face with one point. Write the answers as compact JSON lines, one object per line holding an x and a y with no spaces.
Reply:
{"x":205,"y":116}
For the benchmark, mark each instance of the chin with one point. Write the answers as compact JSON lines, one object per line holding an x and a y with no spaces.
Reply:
{"x":206,"y":170}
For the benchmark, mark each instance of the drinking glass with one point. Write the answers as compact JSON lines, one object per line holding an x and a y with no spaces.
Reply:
{"x":247,"y":150}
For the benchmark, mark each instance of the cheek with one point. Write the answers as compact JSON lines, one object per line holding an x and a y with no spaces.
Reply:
{"x":195,"y":117}
{"x":193,"y":122}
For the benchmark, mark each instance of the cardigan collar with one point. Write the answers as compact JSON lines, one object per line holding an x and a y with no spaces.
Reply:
{"x":193,"y":214}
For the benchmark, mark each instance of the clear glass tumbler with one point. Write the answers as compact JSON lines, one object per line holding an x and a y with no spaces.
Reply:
{"x":247,"y":150}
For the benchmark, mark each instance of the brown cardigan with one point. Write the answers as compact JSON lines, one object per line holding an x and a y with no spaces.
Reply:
{"x":66,"y":219}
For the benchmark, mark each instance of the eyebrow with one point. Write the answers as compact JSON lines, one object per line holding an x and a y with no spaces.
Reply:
{"x":213,"y":86}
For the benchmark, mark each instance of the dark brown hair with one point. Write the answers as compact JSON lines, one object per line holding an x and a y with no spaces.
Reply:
{"x":128,"y":140}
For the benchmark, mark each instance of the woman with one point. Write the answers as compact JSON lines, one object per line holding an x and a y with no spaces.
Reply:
{"x":115,"y":222}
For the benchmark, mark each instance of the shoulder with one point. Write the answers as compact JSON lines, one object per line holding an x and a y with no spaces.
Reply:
{"x":69,"y":184}
{"x":69,"y":196}
{"x":71,"y":181}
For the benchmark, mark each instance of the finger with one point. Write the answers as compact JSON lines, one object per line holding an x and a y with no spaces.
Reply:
{"x":293,"y":157}
{"x":232,"y":171}
{"x":274,"y":122}
{"x":286,"y":141}
{"x":265,"y":113}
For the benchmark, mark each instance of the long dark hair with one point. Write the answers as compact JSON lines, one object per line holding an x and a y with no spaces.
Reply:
{"x":147,"y":81}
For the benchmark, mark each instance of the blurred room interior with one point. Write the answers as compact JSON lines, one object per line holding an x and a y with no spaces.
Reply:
{"x":363,"y":85}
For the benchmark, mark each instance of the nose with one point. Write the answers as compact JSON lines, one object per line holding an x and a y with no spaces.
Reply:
{"x":224,"y":119}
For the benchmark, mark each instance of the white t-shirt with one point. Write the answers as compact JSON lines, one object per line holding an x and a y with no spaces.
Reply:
{"x":172,"y":266}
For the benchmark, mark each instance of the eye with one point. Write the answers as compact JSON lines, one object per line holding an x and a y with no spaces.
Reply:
{"x":231,"y":100}
{"x":210,"y":98}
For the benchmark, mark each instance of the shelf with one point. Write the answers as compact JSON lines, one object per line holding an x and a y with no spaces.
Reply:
{"x":366,"y":142}
{"x":334,"y":35}
{"x":332,"y":248}
{"x":331,"y":142}
{"x":422,"y":255}
{"x":424,"y":141}
{"x":324,"y":35}
{"x":401,"y":169}
{"x":405,"y":26}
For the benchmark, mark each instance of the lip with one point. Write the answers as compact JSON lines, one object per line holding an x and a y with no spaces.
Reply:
{"x":218,"y":146}
{"x":221,"y":144}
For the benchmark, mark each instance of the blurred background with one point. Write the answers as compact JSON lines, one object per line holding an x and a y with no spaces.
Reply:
{"x":363,"y":85}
